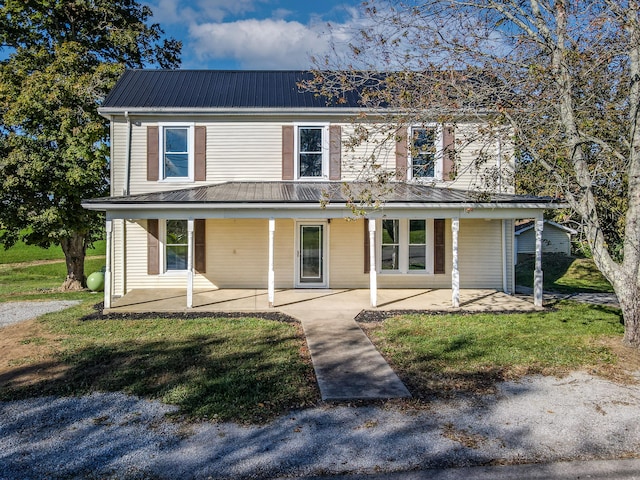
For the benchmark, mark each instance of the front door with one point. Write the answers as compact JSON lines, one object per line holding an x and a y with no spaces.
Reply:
{"x":311,"y":255}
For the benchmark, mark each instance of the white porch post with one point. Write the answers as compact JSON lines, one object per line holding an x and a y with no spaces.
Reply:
{"x":271,"y":289}
{"x":107,"y":271}
{"x":190,"y":264}
{"x":537,"y":274}
{"x":455,"y":274}
{"x":373,"y":280}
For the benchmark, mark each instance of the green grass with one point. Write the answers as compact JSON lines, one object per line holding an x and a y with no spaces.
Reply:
{"x":40,"y":281}
{"x":246,"y":369}
{"x":441,"y":354}
{"x":21,"y":252}
{"x":564,"y":274}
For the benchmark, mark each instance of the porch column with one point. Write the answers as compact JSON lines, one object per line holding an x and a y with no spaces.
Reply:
{"x":190,"y":264}
{"x":455,"y":274}
{"x":373,"y":280}
{"x":107,"y":271}
{"x":537,"y":274}
{"x":271,"y":288}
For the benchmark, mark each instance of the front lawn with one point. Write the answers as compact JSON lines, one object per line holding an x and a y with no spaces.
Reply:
{"x":438,"y":355}
{"x":21,"y":252}
{"x":243,"y":369}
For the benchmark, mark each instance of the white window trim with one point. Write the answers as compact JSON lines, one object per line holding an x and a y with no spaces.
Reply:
{"x":439,"y":154}
{"x":191,"y":139}
{"x":403,"y":250}
{"x":325,"y":150}
{"x":162,"y":233}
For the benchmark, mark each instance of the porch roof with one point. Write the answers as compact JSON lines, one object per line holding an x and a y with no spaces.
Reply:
{"x":289,"y":196}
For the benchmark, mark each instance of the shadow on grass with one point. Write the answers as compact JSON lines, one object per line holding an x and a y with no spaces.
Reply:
{"x":204,"y":376}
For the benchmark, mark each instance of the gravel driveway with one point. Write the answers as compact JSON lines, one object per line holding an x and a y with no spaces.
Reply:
{"x":118,"y":436}
{"x":14,"y":312}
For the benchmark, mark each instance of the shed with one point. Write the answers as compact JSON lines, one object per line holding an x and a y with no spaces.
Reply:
{"x":556,"y":238}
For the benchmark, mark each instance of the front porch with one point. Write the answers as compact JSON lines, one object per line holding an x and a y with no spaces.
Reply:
{"x":318,"y":300}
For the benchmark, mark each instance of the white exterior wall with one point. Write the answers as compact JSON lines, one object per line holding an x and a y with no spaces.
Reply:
{"x":241,"y":149}
{"x":237,"y":257}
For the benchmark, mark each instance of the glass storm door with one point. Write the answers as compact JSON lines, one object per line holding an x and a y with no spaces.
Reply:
{"x":311,"y":267}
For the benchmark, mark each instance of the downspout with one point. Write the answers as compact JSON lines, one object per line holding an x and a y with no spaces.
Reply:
{"x":125,"y":191}
{"x":127,"y":167}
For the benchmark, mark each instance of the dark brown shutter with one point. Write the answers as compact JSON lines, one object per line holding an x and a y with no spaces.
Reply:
{"x":367,"y":257}
{"x":438,"y":245}
{"x":335,"y":155}
{"x":153,"y":154}
{"x":153,"y":247}
{"x":401,"y":155}
{"x":448,"y":155}
{"x":200,"y":153}
{"x":200,"y":244}
{"x":287,"y":152}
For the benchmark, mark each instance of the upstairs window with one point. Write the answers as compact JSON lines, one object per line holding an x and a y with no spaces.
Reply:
{"x":312,"y":152}
{"x":176,"y":158}
{"x":425,"y":154}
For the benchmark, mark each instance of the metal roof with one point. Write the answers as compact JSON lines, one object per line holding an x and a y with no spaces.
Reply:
{"x":215,"y":89}
{"x":297,"y":193}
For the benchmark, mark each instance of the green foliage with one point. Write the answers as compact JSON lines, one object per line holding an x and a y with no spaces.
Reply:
{"x":564,"y":274}
{"x":243,"y":369}
{"x":63,"y":59}
{"x":441,"y":354}
{"x":37,"y":281}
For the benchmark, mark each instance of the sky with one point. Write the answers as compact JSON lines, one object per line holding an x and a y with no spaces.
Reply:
{"x":256,"y":34}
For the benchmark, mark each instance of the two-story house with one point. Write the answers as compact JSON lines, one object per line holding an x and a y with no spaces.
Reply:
{"x":234,"y":179}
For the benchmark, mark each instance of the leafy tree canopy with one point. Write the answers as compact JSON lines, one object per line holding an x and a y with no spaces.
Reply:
{"x":63,"y":58}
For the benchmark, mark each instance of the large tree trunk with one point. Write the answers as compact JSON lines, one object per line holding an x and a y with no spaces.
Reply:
{"x":74,"y":248}
{"x":629,"y":298}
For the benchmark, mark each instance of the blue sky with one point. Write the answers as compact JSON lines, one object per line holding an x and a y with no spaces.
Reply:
{"x":256,"y":34}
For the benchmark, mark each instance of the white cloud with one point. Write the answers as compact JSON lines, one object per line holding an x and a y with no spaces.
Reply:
{"x":168,"y":12}
{"x":261,"y":44}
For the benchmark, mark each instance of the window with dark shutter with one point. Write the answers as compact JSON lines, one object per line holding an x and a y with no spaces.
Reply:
{"x":335,"y":152}
{"x":448,"y":156}
{"x":401,"y":156}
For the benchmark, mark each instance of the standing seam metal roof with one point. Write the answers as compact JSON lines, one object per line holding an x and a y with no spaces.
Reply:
{"x":209,"y":89}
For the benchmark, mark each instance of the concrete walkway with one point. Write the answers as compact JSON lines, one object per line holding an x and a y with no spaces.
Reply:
{"x":347,"y":365}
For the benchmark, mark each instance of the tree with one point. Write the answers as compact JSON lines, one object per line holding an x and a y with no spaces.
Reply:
{"x":63,"y":58}
{"x":559,"y":78}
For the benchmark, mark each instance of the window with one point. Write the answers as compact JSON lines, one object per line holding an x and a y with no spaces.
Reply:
{"x":417,"y":244}
{"x":405,"y":246}
{"x":425,"y":152}
{"x":390,"y":245}
{"x":176,"y":159}
{"x":311,"y":151}
{"x":176,"y":245}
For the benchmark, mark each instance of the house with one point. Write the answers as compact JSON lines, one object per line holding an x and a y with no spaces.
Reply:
{"x":556,"y":238}
{"x":217,"y":180}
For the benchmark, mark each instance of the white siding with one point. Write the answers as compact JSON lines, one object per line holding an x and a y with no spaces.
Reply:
{"x":479,"y":256}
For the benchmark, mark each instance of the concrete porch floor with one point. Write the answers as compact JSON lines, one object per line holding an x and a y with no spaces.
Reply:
{"x":287,"y":300}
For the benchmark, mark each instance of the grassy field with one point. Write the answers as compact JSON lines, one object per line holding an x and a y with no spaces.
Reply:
{"x":30,"y":253}
{"x":28,"y":272}
{"x":564,"y":274}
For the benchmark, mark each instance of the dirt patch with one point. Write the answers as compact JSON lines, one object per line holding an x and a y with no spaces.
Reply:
{"x":32,"y":263}
{"x":27,"y":354}
{"x":625,"y":369}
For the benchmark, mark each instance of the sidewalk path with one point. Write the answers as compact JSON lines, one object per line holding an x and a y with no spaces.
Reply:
{"x":596,"y":298}
{"x":347,"y":365}
{"x":14,"y":312}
